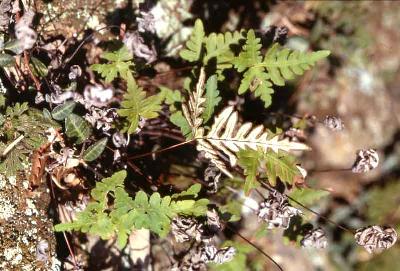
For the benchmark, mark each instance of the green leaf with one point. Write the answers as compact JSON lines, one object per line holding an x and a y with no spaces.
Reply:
{"x":212,"y":98}
{"x":195,"y":43}
{"x":76,"y":126}
{"x":94,"y":151}
{"x":249,"y":160}
{"x":280,"y":165}
{"x":179,"y":120}
{"x":14,"y":46}
{"x":38,"y":68}
{"x":120,"y":64}
{"x":62,"y":111}
{"x":6,"y":60}
{"x":308,"y":196}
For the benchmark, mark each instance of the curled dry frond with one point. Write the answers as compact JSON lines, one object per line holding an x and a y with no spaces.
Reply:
{"x":194,"y":109}
{"x":315,"y":238}
{"x":227,"y":136}
{"x":376,"y":238}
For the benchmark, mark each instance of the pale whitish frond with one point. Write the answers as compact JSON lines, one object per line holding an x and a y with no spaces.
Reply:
{"x":228,"y":137}
{"x":194,"y":109}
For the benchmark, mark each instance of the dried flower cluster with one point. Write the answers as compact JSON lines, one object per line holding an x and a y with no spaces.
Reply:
{"x":376,"y":238}
{"x":333,"y":123}
{"x":198,"y":258}
{"x":277,"y":211}
{"x":25,"y":35}
{"x":315,"y":238}
{"x":187,"y":228}
{"x":366,"y":160}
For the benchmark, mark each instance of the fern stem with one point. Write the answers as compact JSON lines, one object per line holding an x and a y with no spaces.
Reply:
{"x":161,"y":150}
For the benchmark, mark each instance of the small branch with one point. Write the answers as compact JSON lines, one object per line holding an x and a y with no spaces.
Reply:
{"x":12,"y":145}
{"x":161,"y":150}
{"x":256,"y":247}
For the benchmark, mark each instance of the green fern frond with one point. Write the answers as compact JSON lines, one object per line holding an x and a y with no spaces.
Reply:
{"x":270,"y":164}
{"x":119,"y":63}
{"x":277,"y":66}
{"x":284,"y":64}
{"x":195,"y":43}
{"x":127,"y":214}
{"x":136,"y":105}
{"x":250,"y":54}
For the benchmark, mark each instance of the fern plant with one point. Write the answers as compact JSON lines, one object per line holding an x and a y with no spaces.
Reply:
{"x":259,"y":74}
{"x":126,"y":214}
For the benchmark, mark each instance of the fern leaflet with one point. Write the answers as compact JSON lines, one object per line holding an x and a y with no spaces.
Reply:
{"x":136,"y":105}
{"x":119,"y":63}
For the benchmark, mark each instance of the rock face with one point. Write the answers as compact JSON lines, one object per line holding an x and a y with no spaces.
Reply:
{"x":27,"y":240}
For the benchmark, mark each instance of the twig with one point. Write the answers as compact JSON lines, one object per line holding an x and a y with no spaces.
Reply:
{"x":33,"y":77}
{"x":161,"y":150}
{"x":12,"y":145}
{"x":256,"y":247}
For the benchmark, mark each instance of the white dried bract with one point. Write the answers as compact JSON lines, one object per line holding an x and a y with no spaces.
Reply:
{"x":211,"y":177}
{"x":276,"y":211}
{"x":119,"y":140}
{"x":25,"y":35}
{"x":186,"y":228}
{"x":315,"y":239}
{"x":74,"y":72}
{"x":101,"y":119}
{"x":376,"y":238}
{"x":333,"y":123}
{"x":59,"y":97}
{"x":366,"y":160}
{"x":96,"y":95}
{"x":146,"y":22}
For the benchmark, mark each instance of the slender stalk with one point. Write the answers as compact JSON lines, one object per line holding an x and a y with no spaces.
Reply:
{"x":161,"y":150}
{"x":256,"y":247}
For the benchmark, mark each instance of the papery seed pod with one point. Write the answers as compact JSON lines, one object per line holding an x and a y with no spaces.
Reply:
{"x":376,"y":238}
{"x":277,"y":211}
{"x":366,"y":160}
{"x":213,"y":220}
{"x":186,"y":229}
{"x":333,"y":123}
{"x":119,"y":140}
{"x":211,"y":176}
{"x":42,"y":250}
{"x":315,"y":238}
